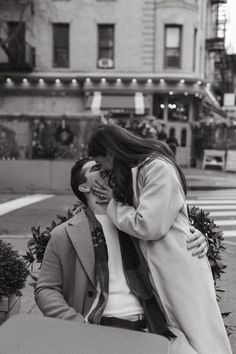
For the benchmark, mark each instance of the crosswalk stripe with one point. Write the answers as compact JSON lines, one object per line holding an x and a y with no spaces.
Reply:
{"x":212,"y":202}
{"x":230,"y":243}
{"x":22,"y":202}
{"x":226,"y":222}
{"x":214,"y":207}
{"x":2,"y":237}
{"x":223,"y":213}
{"x":229,"y":233}
{"x":219,"y":208}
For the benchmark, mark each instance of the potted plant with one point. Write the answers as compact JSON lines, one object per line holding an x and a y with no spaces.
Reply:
{"x":13,"y":275}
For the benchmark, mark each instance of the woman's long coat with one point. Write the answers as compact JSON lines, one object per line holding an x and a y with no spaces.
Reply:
{"x":159,"y":220}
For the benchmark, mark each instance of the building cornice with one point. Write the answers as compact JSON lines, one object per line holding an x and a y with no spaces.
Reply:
{"x":78,"y":83}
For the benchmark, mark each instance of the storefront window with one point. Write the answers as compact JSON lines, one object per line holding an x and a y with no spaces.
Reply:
{"x":178,"y":109}
{"x":158,"y":106}
{"x":60,"y":139}
{"x":41,"y":138}
{"x":8,"y":144}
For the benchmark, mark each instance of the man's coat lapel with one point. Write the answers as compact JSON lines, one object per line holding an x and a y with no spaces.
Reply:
{"x":80,"y":235}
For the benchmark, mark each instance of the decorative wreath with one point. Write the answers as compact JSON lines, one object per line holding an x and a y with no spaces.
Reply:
{"x":64,"y":134}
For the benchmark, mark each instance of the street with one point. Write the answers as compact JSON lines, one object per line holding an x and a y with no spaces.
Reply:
{"x":41,"y":210}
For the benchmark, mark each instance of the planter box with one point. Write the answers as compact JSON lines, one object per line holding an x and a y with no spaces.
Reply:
{"x":9,"y":306}
{"x":30,"y":176}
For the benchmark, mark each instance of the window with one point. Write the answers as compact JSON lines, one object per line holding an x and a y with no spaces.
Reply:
{"x":183,"y":137}
{"x":106,"y":46}
{"x":178,"y":109}
{"x":194,"y":48}
{"x":173,"y":38}
{"x":16,"y":34}
{"x":60,"y":45}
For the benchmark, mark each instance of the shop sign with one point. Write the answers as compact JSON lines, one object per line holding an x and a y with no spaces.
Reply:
{"x":215,"y":44}
{"x":215,"y":2}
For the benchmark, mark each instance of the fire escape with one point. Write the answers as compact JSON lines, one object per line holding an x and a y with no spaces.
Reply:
{"x":216,"y":45}
{"x":16,"y":54}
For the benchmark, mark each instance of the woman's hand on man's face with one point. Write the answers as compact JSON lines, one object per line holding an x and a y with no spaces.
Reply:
{"x":103,"y":193}
{"x":197,"y":242}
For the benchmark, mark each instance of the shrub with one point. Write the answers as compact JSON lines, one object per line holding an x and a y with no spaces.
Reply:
{"x":13,"y":270}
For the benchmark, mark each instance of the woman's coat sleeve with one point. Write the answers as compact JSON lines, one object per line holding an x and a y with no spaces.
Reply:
{"x":160,"y":200}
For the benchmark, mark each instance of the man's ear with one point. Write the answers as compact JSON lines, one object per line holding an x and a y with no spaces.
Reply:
{"x":84,"y":188}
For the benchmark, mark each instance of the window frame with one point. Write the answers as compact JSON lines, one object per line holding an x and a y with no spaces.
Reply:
{"x":65,"y":24}
{"x":15,"y":44}
{"x":195,"y":36}
{"x":99,"y":26}
{"x":180,"y":27}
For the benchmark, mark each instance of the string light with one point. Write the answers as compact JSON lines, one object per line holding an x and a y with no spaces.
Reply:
{"x":134,"y":81}
{"x":57,"y":81}
{"x":186,"y":94}
{"x":88,"y":80}
{"x":149,"y":81}
{"x":162,"y":81}
{"x":41,"y":81}
{"x":182,"y":81}
{"x":171,"y":93}
{"x":118,"y":81}
{"x":9,"y":81}
{"x":103,"y":80}
{"x":199,"y":82}
{"x":25,"y":81}
{"x":74,"y":81}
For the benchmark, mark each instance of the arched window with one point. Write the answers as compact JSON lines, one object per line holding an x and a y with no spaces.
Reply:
{"x":183,"y":137}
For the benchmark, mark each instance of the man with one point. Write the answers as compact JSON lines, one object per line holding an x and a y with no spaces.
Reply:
{"x":90,"y":273}
{"x":162,"y":136}
{"x":172,"y":141}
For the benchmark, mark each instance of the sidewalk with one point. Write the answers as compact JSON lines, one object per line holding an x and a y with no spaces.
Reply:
{"x":209,"y":179}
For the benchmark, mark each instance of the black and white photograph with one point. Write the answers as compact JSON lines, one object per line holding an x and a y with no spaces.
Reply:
{"x":117,"y":176}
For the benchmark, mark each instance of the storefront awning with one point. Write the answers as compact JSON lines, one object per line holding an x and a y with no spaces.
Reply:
{"x":98,"y":102}
{"x":211,"y":104}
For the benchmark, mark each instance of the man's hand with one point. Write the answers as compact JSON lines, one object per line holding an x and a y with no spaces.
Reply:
{"x":197,"y":242}
{"x":103,"y":192}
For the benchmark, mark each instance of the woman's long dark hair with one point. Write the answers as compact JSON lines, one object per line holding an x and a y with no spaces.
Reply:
{"x":129,"y":150}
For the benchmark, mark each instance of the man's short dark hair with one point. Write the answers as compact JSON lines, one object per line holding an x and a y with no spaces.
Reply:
{"x":77,"y":177}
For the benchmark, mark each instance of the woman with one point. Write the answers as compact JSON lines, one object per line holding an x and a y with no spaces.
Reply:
{"x":149,"y":203}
